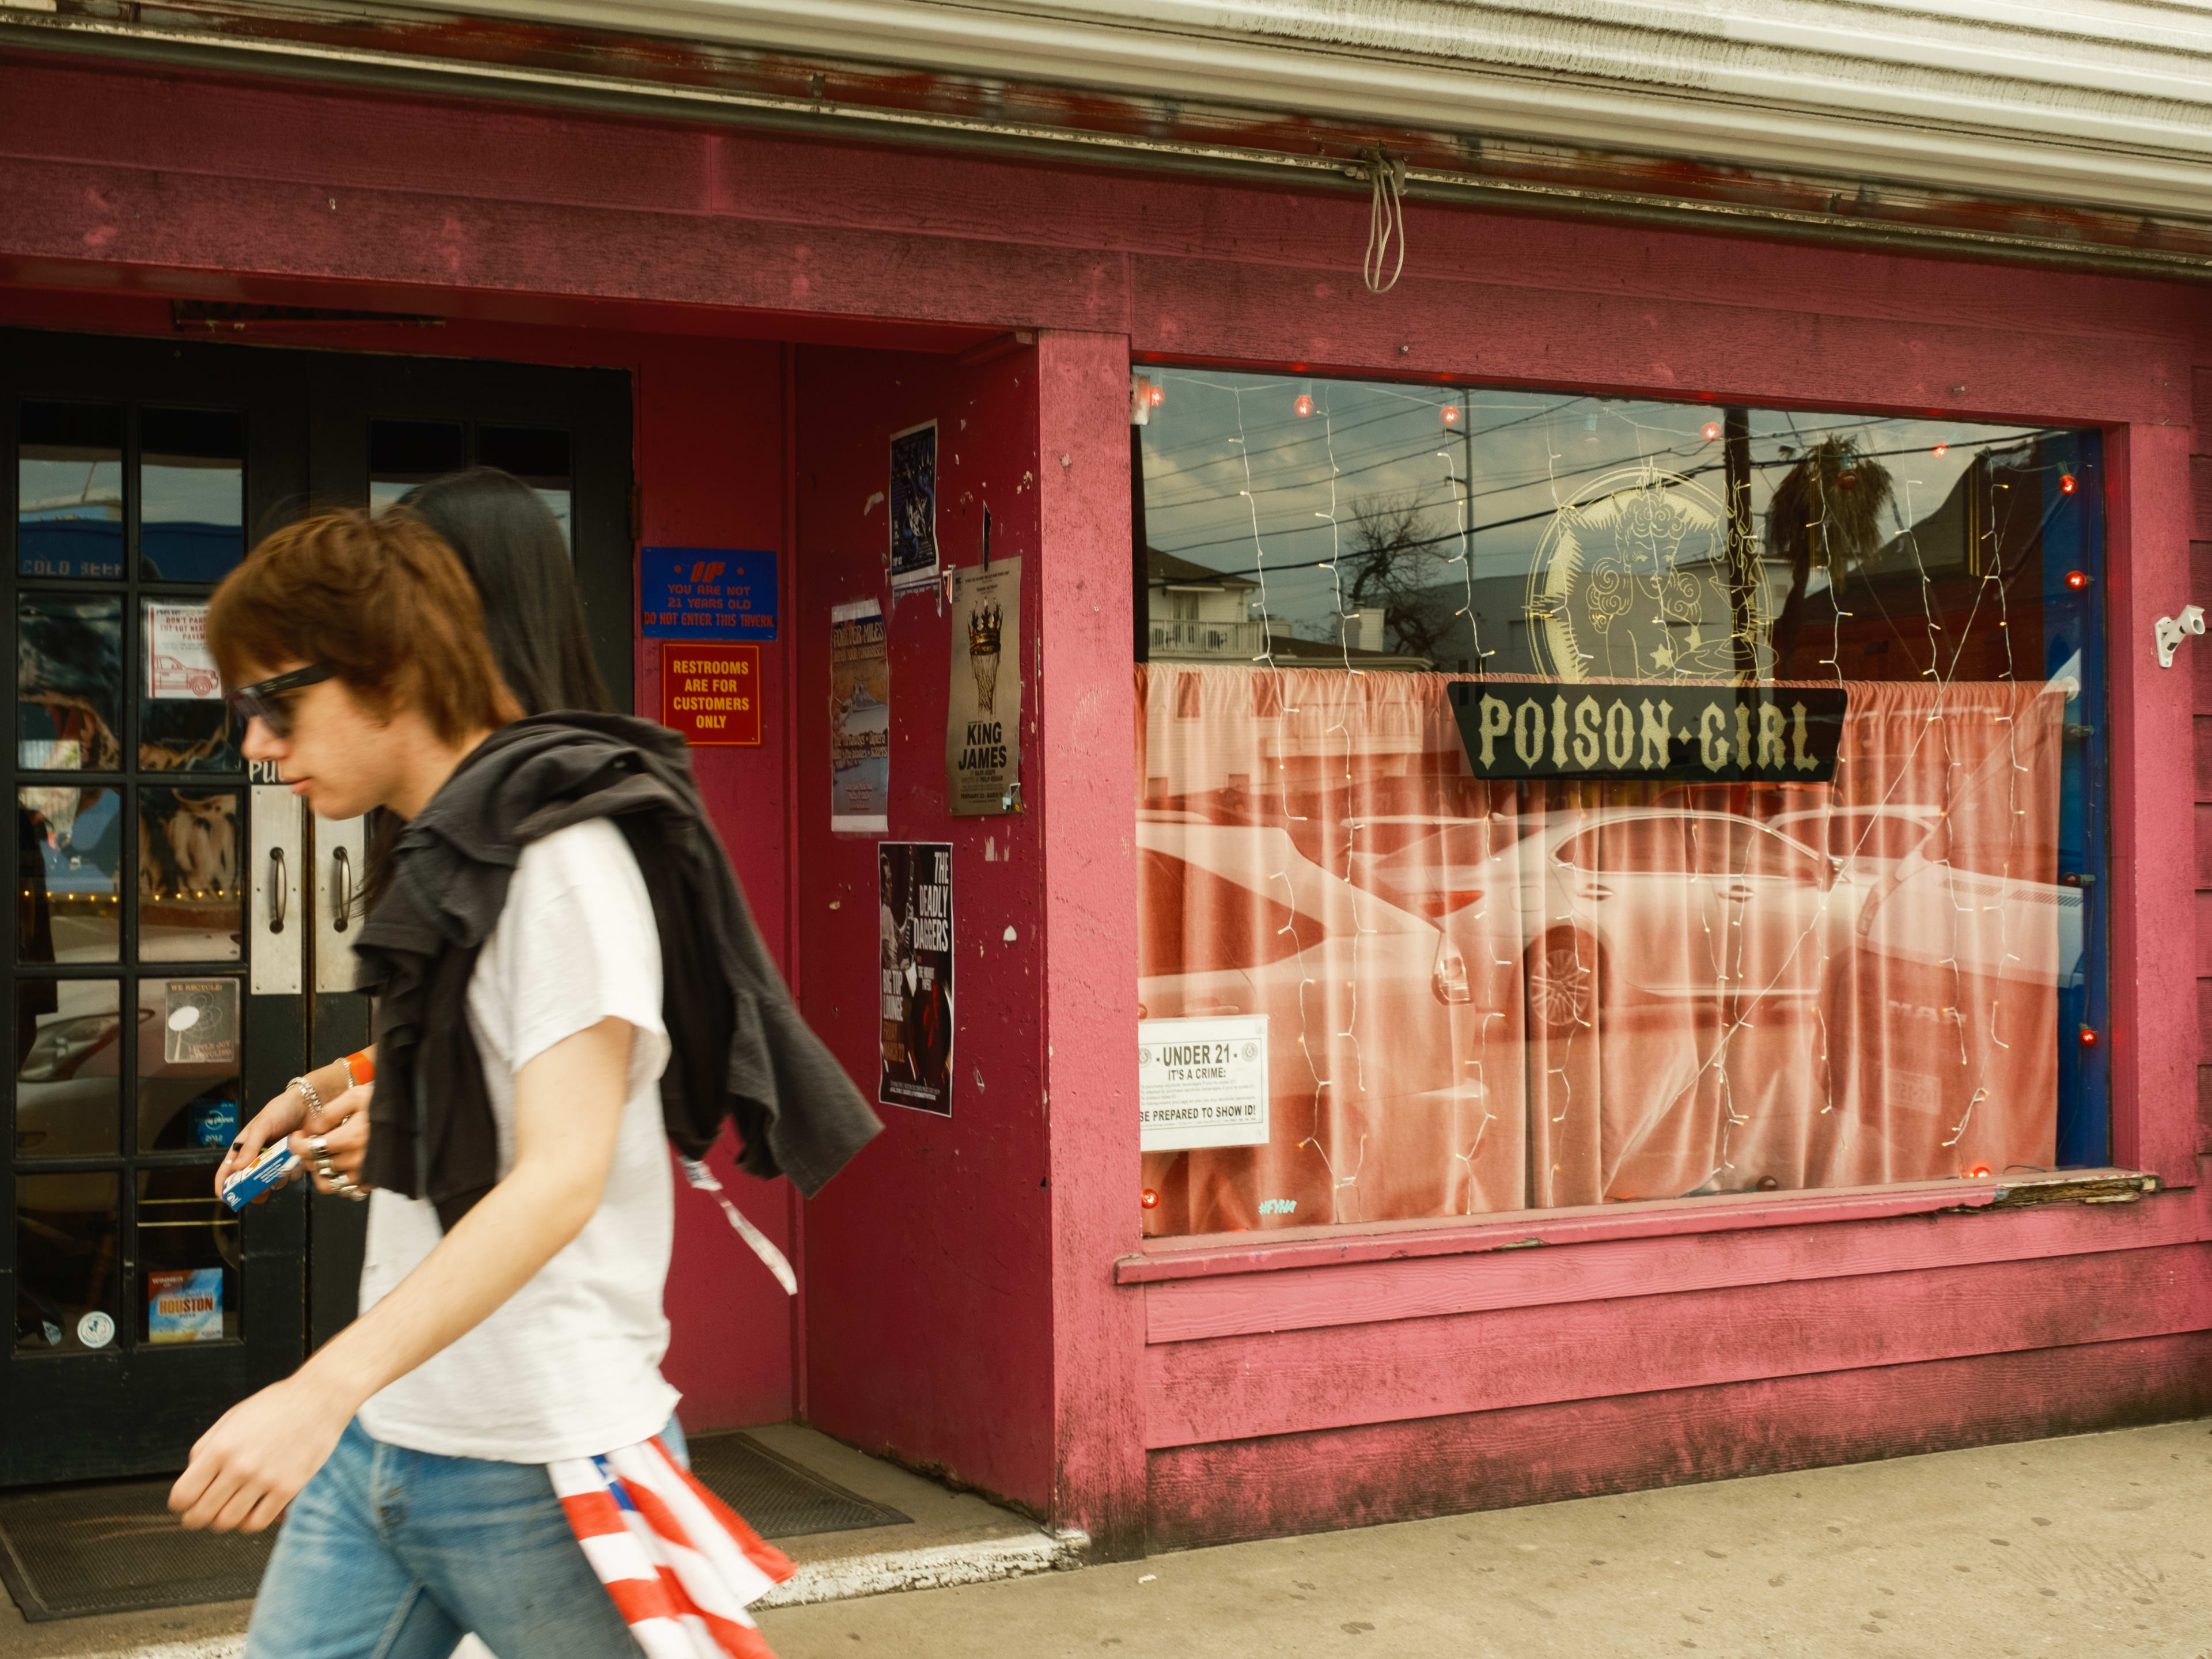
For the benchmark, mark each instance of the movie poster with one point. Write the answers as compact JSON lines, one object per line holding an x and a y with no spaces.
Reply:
{"x":983,"y":719}
{"x":860,"y":719}
{"x":913,"y":507}
{"x":914,"y":895}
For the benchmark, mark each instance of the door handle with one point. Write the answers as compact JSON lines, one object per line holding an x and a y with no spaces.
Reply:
{"x":279,"y":890}
{"x":341,"y":889}
{"x":1597,"y":890}
{"x":1737,"y":893}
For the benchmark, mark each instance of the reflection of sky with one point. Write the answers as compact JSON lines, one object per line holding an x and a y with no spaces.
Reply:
{"x":386,"y":492}
{"x":1235,"y":479}
{"x":69,"y":489}
{"x":185,"y":493}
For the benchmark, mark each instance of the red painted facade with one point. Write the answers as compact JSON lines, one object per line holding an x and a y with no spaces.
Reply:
{"x":782,"y":306}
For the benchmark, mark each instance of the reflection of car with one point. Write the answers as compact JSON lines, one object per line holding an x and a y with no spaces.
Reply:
{"x":66,"y":1089}
{"x":1650,"y":903}
{"x":1380,"y":844}
{"x":1868,"y":839}
{"x":1372,"y":1015}
{"x":1982,"y":925}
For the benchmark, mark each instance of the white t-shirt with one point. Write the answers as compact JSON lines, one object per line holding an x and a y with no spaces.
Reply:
{"x":570,"y":1365}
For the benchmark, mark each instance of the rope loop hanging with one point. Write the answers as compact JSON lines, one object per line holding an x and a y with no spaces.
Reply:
{"x":1386,"y":218}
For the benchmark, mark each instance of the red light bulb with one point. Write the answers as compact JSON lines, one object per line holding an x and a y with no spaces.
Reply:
{"x":1304,"y":405}
{"x":2078,"y":580}
{"x":1158,"y":394}
{"x":1151,"y":1199}
{"x":1942,"y":449}
{"x":1979,"y":1172}
{"x":1449,"y":414}
{"x":1712,"y":430}
{"x":2066,"y":484}
{"x":2089,"y":1036}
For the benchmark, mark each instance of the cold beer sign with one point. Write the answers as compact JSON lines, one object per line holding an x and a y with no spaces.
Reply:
{"x":1659,"y":730}
{"x":711,"y":693}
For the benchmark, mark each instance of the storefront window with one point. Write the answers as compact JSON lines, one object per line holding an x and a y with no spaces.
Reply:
{"x":1550,"y":801}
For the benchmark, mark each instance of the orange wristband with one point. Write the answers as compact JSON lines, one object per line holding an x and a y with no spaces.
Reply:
{"x":360,"y":1068}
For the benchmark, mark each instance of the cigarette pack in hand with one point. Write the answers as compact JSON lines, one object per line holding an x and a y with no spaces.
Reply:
{"x":266,"y":1171}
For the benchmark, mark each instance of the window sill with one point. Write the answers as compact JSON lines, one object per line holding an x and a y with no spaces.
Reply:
{"x":1213,"y":1255}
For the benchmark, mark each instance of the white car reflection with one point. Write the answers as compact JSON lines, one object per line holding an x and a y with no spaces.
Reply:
{"x":1357,"y":991}
{"x":1873,"y":840}
{"x":1648,"y":905}
{"x":66,"y":1093}
{"x":1973,"y":923}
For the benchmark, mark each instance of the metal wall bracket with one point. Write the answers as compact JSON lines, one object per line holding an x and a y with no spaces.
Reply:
{"x":2173,"y":630}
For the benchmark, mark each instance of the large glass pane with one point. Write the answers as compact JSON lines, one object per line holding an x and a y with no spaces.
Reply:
{"x":68,"y":1056}
{"x":190,"y":1262}
{"x":66,"y":1268}
{"x":183,"y":725}
{"x":69,"y":482}
{"x":191,"y":494}
{"x":540,"y":456}
{"x":1580,"y":800}
{"x":69,"y":684}
{"x":404,"y":454}
{"x":188,"y":895}
{"x":68,"y":905}
{"x":188,"y":1064}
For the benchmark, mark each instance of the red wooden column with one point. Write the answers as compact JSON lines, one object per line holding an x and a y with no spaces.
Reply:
{"x":2155,"y":948}
{"x":1087,"y":711}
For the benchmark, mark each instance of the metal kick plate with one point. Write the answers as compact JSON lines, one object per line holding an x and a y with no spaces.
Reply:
{"x":341,"y":848}
{"x":276,"y":918}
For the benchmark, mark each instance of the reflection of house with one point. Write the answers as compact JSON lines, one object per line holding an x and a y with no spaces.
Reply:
{"x":1198,"y":615}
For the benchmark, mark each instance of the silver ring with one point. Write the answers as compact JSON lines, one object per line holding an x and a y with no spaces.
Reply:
{"x":323,"y":1169}
{"x":318,"y":1146}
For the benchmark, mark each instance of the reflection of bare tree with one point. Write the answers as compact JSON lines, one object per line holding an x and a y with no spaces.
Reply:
{"x":1398,"y":570}
{"x":1826,"y":514}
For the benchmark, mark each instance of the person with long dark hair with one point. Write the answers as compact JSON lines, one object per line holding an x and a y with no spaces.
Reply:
{"x":512,"y":547}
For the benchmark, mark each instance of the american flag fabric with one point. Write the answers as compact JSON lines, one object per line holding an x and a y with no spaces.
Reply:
{"x":680,"y":1564}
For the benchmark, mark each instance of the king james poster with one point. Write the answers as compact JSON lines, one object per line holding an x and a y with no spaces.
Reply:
{"x":983,"y":719}
{"x":915,"y":912}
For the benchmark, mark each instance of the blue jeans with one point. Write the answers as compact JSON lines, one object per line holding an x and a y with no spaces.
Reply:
{"x":395,"y":1554}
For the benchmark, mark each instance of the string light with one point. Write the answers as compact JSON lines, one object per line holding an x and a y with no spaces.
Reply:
{"x":1449,"y":414}
{"x":1304,"y":404}
{"x":2078,"y":580}
{"x":1712,"y":430}
{"x":2066,"y":484}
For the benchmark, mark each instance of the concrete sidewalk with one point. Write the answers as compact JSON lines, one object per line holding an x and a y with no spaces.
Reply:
{"x":2098,"y":1543}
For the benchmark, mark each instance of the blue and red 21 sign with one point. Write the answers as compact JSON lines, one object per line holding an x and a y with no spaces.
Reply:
{"x":705,"y":593}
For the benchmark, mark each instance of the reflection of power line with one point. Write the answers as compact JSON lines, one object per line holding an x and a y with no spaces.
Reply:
{"x":1388,"y":460}
{"x":2017,"y":436}
{"x":1545,"y":512}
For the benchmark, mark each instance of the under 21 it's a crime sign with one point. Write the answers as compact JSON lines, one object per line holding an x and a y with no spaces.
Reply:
{"x":1201,"y":1083}
{"x":712,"y":693}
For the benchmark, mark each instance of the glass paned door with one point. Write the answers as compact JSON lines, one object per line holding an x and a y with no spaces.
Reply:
{"x":141,"y":1306}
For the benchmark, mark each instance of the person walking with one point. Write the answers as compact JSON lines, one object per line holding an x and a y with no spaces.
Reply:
{"x":435,"y":1456}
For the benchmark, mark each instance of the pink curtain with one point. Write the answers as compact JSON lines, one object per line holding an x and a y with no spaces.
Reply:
{"x":1488,"y":996}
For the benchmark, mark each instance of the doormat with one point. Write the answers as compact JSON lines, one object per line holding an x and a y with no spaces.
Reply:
{"x":82,"y":1550}
{"x":778,"y":1498}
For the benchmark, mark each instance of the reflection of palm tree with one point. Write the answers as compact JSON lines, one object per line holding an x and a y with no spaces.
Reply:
{"x":1826,"y":514}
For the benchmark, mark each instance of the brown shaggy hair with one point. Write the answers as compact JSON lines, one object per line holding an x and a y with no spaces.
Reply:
{"x":383,"y":602}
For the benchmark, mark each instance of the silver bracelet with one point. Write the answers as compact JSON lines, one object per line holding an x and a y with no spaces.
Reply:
{"x":307,"y":1089}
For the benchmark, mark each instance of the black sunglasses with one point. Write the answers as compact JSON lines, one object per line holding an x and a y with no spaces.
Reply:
{"x":266,"y":701}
